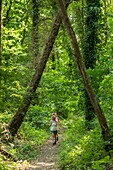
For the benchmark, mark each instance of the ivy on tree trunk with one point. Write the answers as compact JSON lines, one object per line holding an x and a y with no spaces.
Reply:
{"x":90,"y":47}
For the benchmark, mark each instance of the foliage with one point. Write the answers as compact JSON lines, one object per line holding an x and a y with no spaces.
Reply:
{"x":61,"y":87}
{"x":25,"y":147}
{"x":81,"y":149}
{"x":30,"y":141}
{"x":56,"y":86}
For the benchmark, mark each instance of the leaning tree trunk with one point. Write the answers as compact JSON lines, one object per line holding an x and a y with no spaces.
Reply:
{"x":81,"y":66}
{"x":18,"y":118}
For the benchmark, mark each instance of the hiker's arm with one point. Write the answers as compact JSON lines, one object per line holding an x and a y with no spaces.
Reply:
{"x":58,"y":122}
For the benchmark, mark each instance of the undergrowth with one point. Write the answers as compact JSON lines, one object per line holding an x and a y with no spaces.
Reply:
{"x":82,"y":149}
{"x":24,"y":148}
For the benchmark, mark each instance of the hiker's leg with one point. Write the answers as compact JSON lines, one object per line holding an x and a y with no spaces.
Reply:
{"x":55,"y":137}
{"x":52,"y":134}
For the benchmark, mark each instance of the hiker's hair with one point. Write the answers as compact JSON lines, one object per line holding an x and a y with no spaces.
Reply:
{"x":53,"y":117}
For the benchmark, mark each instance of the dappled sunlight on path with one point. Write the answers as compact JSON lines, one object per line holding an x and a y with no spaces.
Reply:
{"x":42,"y":165}
{"x":47,"y":158}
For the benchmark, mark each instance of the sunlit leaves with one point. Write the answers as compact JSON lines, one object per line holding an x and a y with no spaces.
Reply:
{"x":82,"y":148}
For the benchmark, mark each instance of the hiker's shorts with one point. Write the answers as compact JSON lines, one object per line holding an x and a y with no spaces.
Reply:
{"x":54,"y":132}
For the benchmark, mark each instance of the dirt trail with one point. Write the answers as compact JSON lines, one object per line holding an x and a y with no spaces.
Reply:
{"x":48,"y":156}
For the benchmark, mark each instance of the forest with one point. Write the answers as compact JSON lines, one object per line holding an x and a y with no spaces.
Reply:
{"x":56,"y":56}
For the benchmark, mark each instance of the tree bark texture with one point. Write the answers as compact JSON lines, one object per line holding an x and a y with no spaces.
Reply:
{"x":81,"y":66}
{"x":90,"y":48}
{"x":18,"y":118}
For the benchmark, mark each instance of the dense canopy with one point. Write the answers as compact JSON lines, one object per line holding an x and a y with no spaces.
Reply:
{"x":56,"y":56}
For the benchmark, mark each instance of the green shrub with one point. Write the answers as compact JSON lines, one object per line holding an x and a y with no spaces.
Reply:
{"x":81,"y":149}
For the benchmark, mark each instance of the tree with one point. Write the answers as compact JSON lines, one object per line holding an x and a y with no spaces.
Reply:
{"x":18,"y":118}
{"x":90,"y":47}
{"x":81,"y":66}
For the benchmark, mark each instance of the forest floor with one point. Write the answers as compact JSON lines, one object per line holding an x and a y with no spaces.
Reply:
{"x":47,"y":156}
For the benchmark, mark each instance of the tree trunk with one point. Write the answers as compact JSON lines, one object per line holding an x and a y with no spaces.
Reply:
{"x":18,"y":118}
{"x":81,"y":66}
{"x":89,"y":48}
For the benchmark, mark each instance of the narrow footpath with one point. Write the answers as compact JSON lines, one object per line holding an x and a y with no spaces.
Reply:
{"x":48,"y":156}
